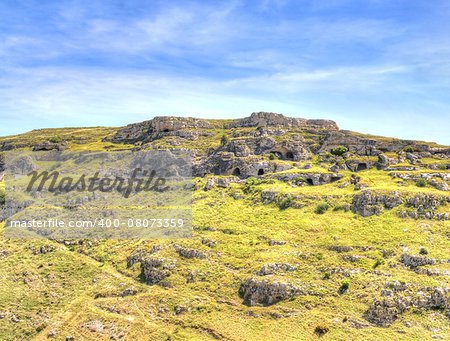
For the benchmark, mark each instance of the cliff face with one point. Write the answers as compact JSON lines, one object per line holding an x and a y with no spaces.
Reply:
{"x":262,"y":143}
{"x":251,"y":146}
{"x":269,"y":119}
{"x":161,"y":124}
{"x":155,"y":128}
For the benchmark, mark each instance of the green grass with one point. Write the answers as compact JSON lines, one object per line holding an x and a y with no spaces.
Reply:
{"x":65,"y":289}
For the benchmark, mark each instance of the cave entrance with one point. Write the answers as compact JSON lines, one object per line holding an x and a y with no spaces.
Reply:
{"x":289,"y":156}
{"x":260,"y":171}
{"x":166,"y":130}
{"x":310,"y":182}
{"x":361,"y":166}
{"x":236,"y":172}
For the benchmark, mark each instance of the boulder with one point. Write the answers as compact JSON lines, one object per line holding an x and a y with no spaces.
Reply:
{"x":412,"y":261}
{"x":189,"y":253}
{"x":368,"y":203}
{"x":47,"y":145}
{"x":264,"y":293}
{"x":270,"y":269}
{"x":154,"y":270}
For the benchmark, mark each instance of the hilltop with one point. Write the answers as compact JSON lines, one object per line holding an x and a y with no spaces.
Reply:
{"x":301,"y":231}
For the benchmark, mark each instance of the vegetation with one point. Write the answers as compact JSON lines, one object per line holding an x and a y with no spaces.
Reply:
{"x":86,"y":290}
{"x":2,"y":193}
{"x":421,"y":183}
{"x":55,"y":139}
{"x":339,"y":150}
{"x":322,"y":208}
{"x":224,"y":140}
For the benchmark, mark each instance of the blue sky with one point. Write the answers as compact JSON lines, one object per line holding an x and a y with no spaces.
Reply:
{"x":374,"y":66}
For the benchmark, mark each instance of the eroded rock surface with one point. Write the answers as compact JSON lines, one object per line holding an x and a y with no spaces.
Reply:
{"x":265,"y":293}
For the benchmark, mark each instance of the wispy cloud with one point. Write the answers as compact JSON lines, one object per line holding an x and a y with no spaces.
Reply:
{"x":96,"y":62}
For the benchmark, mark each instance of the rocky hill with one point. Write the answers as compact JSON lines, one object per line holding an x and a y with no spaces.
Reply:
{"x":301,"y":231}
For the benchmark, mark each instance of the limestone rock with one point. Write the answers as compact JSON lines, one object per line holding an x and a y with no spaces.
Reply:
{"x":266,"y":119}
{"x":154,"y":270}
{"x":47,"y":145}
{"x":368,"y":203}
{"x":189,"y":253}
{"x":412,"y":261}
{"x":270,"y":269}
{"x":265,"y":293}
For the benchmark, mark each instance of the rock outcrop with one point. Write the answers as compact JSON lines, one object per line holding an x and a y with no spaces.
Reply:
{"x":189,"y":253}
{"x":267,"y":119}
{"x":157,"y":127}
{"x":265,"y":293}
{"x":368,"y":203}
{"x":272,"y":268}
{"x":384,"y":311}
{"x":154,"y":270}
{"x":47,"y":145}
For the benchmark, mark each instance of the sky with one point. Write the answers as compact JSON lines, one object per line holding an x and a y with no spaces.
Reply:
{"x":374,"y":66}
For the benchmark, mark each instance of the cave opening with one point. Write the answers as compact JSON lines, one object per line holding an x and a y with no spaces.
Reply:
{"x":361,"y":166}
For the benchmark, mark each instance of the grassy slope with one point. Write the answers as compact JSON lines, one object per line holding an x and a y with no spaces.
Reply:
{"x":65,"y":289}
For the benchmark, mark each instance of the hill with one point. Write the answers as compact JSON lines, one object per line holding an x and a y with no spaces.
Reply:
{"x":301,"y":231}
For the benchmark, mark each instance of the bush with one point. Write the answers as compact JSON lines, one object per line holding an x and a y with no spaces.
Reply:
{"x":250,"y":184}
{"x":344,"y":287}
{"x":55,"y":139}
{"x":224,"y":140}
{"x":2,"y":196}
{"x":272,"y":156}
{"x":423,"y":251}
{"x":285,"y":202}
{"x":343,"y":207}
{"x":409,"y":149}
{"x":321,"y":329}
{"x":321,"y":208}
{"x":421,"y":183}
{"x":378,"y":262}
{"x":339,"y":150}
{"x":326,"y":275}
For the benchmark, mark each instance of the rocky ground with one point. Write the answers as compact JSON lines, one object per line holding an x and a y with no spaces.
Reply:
{"x":301,"y":231}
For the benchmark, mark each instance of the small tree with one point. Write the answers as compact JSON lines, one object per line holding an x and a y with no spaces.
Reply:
{"x":224,"y":140}
{"x":321,"y":208}
{"x":421,"y":182}
{"x":55,"y":139}
{"x":339,"y":151}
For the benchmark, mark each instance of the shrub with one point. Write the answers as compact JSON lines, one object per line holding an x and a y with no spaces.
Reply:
{"x":272,"y":156}
{"x":409,"y":149}
{"x":224,"y":140}
{"x":2,"y":196}
{"x":321,"y":208}
{"x":55,"y":139}
{"x":250,"y":184}
{"x":285,"y":202}
{"x":377,"y":263}
{"x":423,"y":251}
{"x":343,"y":207}
{"x":339,"y":150}
{"x":344,"y":287}
{"x":421,"y":183}
{"x":321,"y":329}
{"x":326,"y":275}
